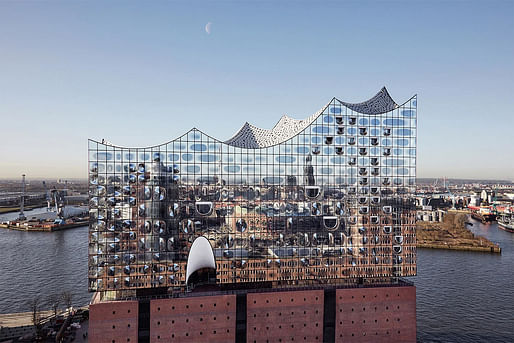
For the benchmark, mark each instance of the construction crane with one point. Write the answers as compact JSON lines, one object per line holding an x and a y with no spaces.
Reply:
{"x":448,"y":192}
{"x":58,"y":197}
{"x":22,"y":200}
{"x":434,"y":185}
{"x":48,"y":198}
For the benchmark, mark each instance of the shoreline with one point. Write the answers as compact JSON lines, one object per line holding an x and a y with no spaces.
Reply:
{"x":446,"y":246}
{"x":16,"y":319}
{"x":6,"y":210}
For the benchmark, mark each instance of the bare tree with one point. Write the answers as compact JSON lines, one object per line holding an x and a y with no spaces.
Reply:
{"x":54,"y":300}
{"x":67,"y":298}
{"x":35,"y":307}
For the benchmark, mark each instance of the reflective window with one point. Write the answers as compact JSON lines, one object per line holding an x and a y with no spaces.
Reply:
{"x":321,"y":203}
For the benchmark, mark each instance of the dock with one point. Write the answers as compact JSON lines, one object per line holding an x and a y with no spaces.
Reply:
{"x":38,"y":227}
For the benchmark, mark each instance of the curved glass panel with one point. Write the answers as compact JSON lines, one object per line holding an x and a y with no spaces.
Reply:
{"x":394,"y":122}
{"x":309,"y":201}
{"x":285,"y":159}
{"x":198,"y":147}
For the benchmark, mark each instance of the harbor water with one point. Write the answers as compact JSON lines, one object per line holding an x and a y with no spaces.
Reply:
{"x":467,"y":296}
{"x":461,"y":296}
{"x":41,"y":264}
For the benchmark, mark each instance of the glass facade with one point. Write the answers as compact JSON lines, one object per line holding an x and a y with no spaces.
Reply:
{"x":327,"y":199}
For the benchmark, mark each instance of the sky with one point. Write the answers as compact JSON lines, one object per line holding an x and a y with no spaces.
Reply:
{"x":141,"y":74}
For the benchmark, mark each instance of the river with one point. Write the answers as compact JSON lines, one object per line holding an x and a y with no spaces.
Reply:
{"x":41,"y":264}
{"x":467,"y":296}
{"x":461,"y":296}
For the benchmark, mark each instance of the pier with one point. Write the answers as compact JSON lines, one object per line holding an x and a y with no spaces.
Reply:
{"x":42,"y":227}
{"x":70,"y":217}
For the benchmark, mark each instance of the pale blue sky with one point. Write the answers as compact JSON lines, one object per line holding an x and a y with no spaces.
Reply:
{"x":140,"y":74}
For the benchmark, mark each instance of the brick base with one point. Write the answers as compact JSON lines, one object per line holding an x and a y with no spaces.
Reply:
{"x":285,"y":316}
{"x":113,"y":322}
{"x":195,"y":319}
{"x":374,"y":314}
{"x":385,"y":314}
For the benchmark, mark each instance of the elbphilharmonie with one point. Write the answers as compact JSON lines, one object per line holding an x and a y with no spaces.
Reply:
{"x":315,"y":210}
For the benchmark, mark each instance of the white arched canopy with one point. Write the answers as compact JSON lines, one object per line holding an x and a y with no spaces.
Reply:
{"x":200,"y":256}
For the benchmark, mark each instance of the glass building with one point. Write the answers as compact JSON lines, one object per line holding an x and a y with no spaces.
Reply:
{"x":327,"y":199}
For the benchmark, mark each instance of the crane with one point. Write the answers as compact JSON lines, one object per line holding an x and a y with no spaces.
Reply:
{"x":448,"y":192}
{"x":58,"y":197}
{"x":22,"y":199}
{"x":48,"y":198}
{"x":434,"y":185}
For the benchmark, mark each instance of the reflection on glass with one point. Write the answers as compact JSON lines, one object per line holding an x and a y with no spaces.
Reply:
{"x":292,"y":211}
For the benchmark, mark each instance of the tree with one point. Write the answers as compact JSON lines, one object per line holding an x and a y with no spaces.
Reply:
{"x":67,"y":299}
{"x":35,"y":308}
{"x":54,"y":301}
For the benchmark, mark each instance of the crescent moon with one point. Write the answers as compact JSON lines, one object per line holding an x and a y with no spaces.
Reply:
{"x":208,"y":28}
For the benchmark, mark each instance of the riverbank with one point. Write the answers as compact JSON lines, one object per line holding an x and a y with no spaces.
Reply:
{"x":19,"y":327}
{"x":9,"y":320}
{"x":452,"y":234}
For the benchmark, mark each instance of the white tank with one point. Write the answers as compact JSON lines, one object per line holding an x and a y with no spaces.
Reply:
{"x":483,"y":195}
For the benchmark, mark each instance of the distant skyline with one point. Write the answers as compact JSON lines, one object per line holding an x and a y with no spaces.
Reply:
{"x":140,"y":74}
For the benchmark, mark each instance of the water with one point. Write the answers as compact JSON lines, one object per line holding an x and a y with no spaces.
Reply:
{"x":28,"y":214}
{"x":467,"y":296}
{"x":461,"y":296}
{"x":41,"y":263}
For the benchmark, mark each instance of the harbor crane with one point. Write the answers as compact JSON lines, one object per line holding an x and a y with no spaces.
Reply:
{"x":22,"y":199}
{"x":451,"y":195}
{"x":48,"y":198}
{"x":58,"y":197}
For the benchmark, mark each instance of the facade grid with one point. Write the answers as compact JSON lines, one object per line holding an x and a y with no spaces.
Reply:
{"x":327,"y":199}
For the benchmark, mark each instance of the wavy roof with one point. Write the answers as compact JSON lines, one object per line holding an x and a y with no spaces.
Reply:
{"x":380,"y":103}
{"x":250,"y":136}
{"x":253,"y":137}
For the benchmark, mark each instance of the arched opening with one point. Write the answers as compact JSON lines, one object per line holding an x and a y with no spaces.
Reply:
{"x":201,"y":277}
{"x":201,"y":265}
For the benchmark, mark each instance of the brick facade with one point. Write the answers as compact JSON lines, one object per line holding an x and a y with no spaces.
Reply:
{"x":367,"y":314}
{"x":113,"y":322}
{"x":285,"y":316}
{"x":385,"y":314}
{"x":194,"y":319}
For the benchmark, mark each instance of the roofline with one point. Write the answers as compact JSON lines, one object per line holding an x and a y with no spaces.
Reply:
{"x":320,"y":112}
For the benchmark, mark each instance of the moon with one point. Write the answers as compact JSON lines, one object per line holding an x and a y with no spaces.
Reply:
{"x":208,"y":28}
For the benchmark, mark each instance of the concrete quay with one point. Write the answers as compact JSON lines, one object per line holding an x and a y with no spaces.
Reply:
{"x":44,"y":228}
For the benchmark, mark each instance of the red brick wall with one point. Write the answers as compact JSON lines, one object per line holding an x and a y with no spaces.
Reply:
{"x":113,"y":321}
{"x":193,"y":319}
{"x":381,"y":314}
{"x":386,"y":314}
{"x":285,"y":316}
